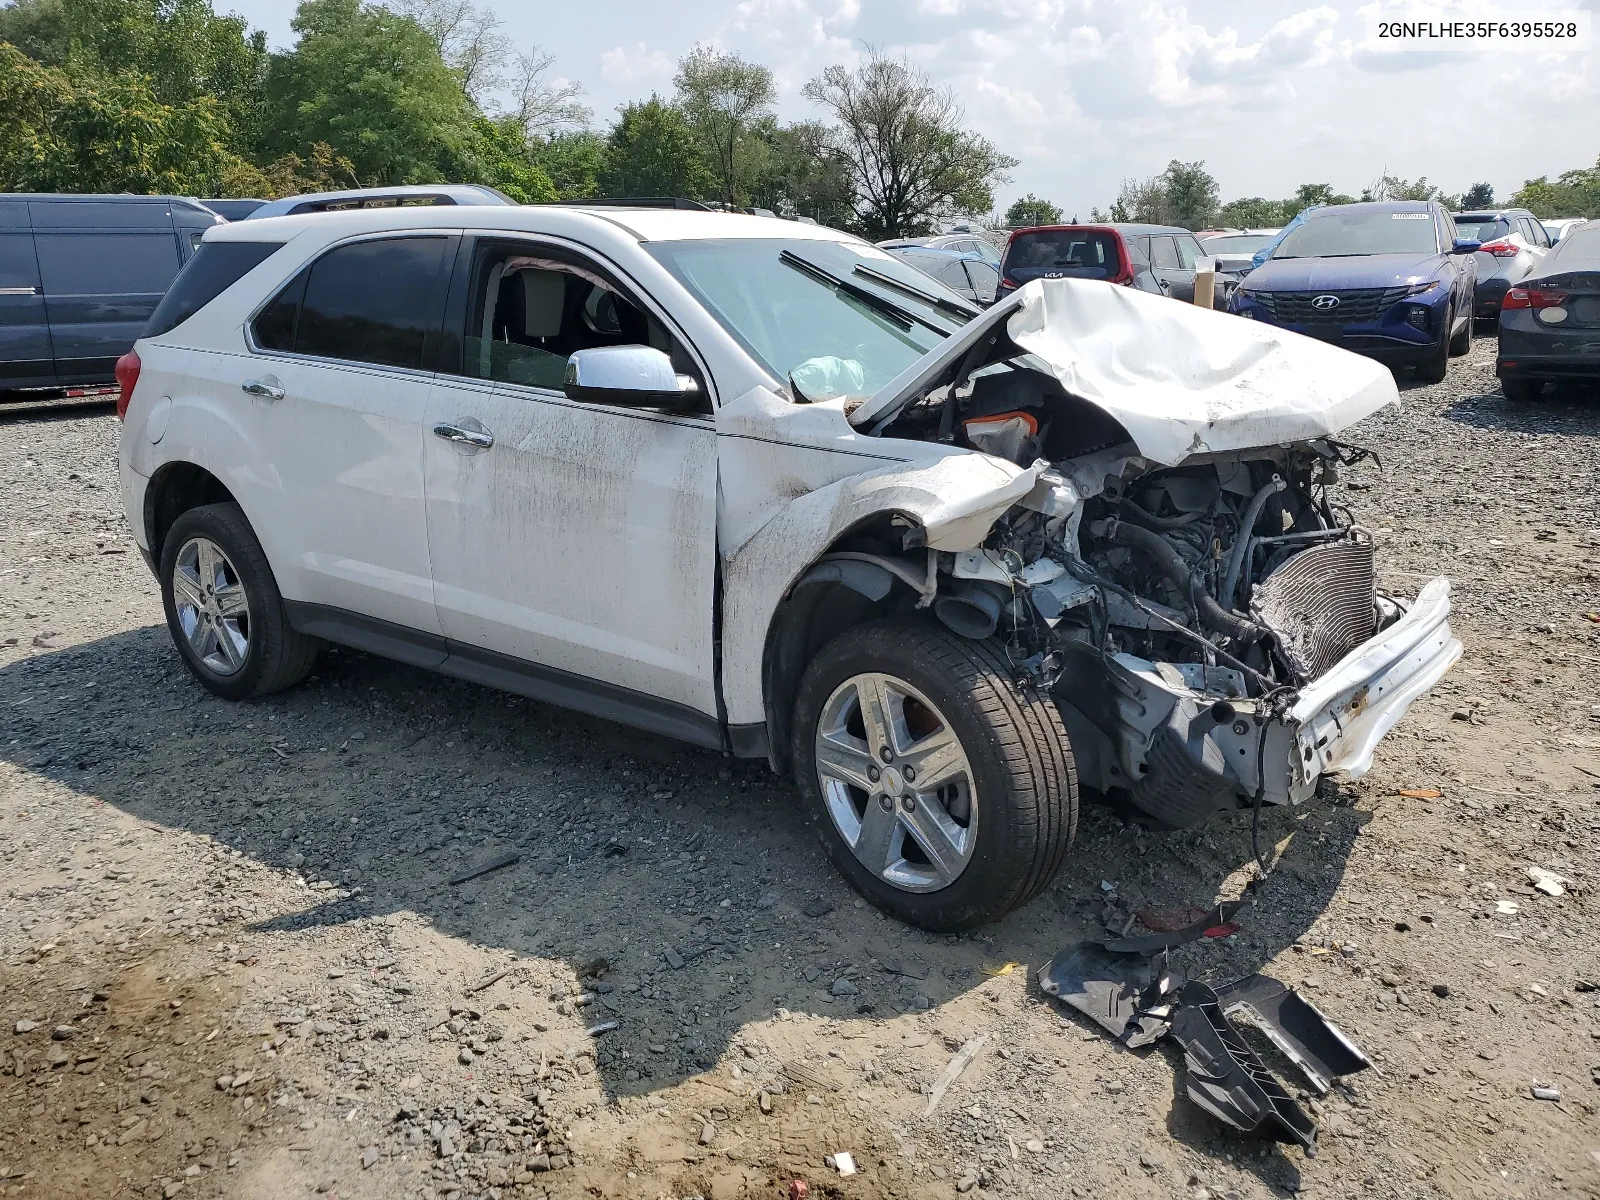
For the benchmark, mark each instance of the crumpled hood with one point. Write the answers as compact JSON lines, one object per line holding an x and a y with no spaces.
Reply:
{"x":1181,"y":380}
{"x":1336,"y":274}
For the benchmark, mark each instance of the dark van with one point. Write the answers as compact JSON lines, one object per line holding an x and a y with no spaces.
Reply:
{"x":79,"y":277}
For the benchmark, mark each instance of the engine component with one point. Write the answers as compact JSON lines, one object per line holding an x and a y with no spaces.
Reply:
{"x":1171,"y":564}
{"x":1319,"y":605}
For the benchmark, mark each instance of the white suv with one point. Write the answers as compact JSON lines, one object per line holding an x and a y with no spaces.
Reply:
{"x":759,"y":486}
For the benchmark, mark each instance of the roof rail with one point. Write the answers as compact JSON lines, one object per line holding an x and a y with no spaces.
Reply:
{"x":635,"y":202}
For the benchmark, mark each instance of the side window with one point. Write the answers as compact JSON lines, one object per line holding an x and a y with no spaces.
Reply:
{"x":531,"y":306}
{"x":1163,"y":254}
{"x":953,"y":276}
{"x":372,"y":301}
{"x":1189,"y":251}
{"x":1533,"y":232}
{"x":985,"y":279}
{"x":273,"y":327}
{"x":106,"y":264}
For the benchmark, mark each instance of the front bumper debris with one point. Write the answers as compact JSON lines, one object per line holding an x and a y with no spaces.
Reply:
{"x":1138,"y":1000}
{"x":1187,"y":740}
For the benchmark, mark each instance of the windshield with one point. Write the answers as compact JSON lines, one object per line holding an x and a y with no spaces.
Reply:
{"x":776,"y":298}
{"x":1332,"y":233}
{"x":1237,"y":243}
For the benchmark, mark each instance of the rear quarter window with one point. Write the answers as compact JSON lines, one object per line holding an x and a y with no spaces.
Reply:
{"x":215,"y":267}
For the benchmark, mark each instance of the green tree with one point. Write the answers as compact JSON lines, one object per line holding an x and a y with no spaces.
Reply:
{"x":1573,"y":194}
{"x":573,"y":161}
{"x":795,"y":174}
{"x":371,"y":84}
{"x":722,"y":95}
{"x":1479,"y":195}
{"x":1030,"y":210}
{"x":1253,"y":212}
{"x":1191,"y":194}
{"x":183,"y":51}
{"x":502,"y":158}
{"x":1143,"y":200}
{"x":653,"y":151}
{"x":106,"y":134}
{"x":910,"y":162}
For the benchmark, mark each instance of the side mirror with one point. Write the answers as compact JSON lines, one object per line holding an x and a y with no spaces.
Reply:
{"x":629,"y":377}
{"x":1465,"y":246}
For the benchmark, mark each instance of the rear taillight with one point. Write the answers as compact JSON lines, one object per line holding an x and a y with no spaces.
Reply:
{"x":1124,"y":273}
{"x":1531,"y":298}
{"x":127,"y":373}
{"x":1499,"y":249}
{"x":1008,"y":285}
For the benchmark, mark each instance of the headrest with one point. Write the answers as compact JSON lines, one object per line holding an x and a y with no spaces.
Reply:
{"x":543,"y":301}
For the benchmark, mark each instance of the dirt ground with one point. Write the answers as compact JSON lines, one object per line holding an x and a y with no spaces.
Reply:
{"x":237,"y":959}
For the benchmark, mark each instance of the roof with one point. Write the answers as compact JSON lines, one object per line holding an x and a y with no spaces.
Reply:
{"x":1322,"y":210}
{"x":102,"y":197}
{"x":936,"y":252}
{"x":1490,"y":214}
{"x":643,"y":224}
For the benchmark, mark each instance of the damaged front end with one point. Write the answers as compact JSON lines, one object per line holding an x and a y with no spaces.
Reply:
{"x":1204,"y":613}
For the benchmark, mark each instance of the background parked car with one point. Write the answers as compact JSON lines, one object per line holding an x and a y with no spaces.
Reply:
{"x":1513,"y":244}
{"x":431,"y":194}
{"x":960,"y":243}
{"x":233,"y":210}
{"x":80,"y":275}
{"x":1557,"y":228}
{"x":1235,"y":250}
{"x":1153,"y":258}
{"x":967,"y":274}
{"x":1391,"y":280}
{"x":1550,"y":322}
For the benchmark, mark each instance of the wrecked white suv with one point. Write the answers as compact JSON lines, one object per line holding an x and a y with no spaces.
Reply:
{"x":759,"y":486}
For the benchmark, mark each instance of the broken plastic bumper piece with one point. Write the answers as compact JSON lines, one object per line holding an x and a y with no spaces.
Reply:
{"x":1340,"y":718}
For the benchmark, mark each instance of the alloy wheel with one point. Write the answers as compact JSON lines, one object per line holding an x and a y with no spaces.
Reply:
{"x":213,"y":610}
{"x":896,"y":782}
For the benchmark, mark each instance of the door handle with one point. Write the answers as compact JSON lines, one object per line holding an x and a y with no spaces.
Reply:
{"x":266,"y":387}
{"x":482,"y":439}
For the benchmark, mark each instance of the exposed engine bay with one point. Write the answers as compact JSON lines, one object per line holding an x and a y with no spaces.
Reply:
{"x":1176,"y":613}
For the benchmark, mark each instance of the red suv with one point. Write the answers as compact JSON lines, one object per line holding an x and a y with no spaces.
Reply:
{"x":1153,"y":258}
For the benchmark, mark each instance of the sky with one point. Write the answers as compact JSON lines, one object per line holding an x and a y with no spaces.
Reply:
{"x":1085,"y":93}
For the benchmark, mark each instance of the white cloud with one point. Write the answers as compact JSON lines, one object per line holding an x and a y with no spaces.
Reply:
{"x":636,"y":65}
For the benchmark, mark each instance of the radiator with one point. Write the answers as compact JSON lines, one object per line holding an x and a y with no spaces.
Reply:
{"x":1320,"y":605}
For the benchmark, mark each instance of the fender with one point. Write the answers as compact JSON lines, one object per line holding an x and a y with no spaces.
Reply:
{"x":772,"y":527}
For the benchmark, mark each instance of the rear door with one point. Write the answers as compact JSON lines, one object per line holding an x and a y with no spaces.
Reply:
{"x":104,"y":265}
{"x":334,"y":394}
{"x":25,"y":356}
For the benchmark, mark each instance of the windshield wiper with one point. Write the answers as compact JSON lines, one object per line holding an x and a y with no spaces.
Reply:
{"x":964,"y":311}
{"x":903,"y":317}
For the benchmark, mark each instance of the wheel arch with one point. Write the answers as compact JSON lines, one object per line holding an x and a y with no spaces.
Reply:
{"x":174,"y":489}
{"x":840,"y":588}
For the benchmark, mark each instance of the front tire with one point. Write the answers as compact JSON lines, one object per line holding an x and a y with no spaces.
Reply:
{"x":944,"y":791}
{"x":1433,"y":368}
{"x":223,"y":607}
{"x":1461,"y":344}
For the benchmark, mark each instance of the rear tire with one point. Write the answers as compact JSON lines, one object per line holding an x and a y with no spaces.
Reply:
{"x":1521,"y":391}
{"x":223,"y":607}
{"x":1003,"y":819}
{"x":1461,"y":344}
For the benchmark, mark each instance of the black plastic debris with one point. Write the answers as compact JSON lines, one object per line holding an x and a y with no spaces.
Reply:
{"x":1227,"y":1079}
{"x":1307,"y":1038}
{"x":1124,"y":986}
{"x":1120,"y":993}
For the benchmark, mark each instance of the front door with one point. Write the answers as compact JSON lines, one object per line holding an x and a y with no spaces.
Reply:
{"x":1167,"y":263}
{"x":573,"y":544}
{"x":335,"y":393}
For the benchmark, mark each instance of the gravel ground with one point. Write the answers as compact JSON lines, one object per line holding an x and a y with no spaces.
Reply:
{"x":238,"y":956}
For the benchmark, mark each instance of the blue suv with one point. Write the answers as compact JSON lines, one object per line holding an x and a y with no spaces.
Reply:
{"x":1392,"y":280}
